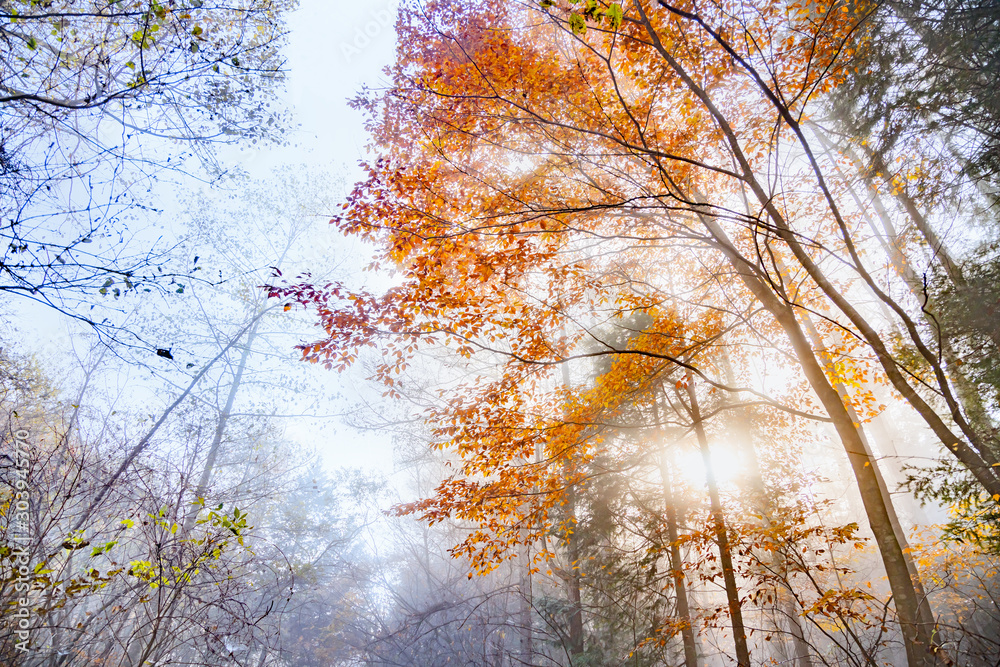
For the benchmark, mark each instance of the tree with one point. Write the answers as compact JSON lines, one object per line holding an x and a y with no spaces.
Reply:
{"x":921,"y":97}
{"x":924,"y":79}
{"x":99,"y":100}
{"x":84,"y":591}
{"x":155,"y":536}
{"x":547,"y":168}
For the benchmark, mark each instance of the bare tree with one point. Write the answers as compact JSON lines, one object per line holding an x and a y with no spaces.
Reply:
{"x":98,"y":101}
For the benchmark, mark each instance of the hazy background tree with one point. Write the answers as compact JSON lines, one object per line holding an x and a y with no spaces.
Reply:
{"x":99,"y":103}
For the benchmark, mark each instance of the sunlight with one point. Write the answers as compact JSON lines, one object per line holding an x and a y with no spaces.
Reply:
{"x":386,"y":333}
{"x":728,"y":467}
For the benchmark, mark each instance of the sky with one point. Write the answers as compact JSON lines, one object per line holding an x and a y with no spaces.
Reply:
{"x":335,"y":47}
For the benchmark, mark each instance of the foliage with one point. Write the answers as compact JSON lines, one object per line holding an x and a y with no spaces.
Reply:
{"x":925,"y":78}
{"x":100,"y":100}
{"x":549,"y":172}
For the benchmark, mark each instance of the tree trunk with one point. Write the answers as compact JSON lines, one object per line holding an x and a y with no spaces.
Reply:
{"x":527,"y":648}
{"x":576,"y":640}
{"x":220,"y":430}
{"x":721,"y":533}
{"x":920,"y":650}
{"x":801,"y":653}
{"x":924,"y":611}
{"x":677,"y":567}
{"x":148,"y":638}
{"x":573,"y":581}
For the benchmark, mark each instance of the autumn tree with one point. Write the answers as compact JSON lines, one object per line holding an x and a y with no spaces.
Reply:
{"x":545,"y":170}
{"x":915,"y":120}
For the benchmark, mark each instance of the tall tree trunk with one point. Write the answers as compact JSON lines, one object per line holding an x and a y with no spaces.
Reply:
{"x":527,"y":648}
{"x":677,"y":566}
{"x":801,"y":653}
{"x":721,"y":533}
{"x":220,"y":429}
{"x":924,"y":611}
{"x":575,"y":620}
{"x":920,"y":649}
{"x":576,"y":644}
{"x":527,"y":640}
{"x":149,"y":638}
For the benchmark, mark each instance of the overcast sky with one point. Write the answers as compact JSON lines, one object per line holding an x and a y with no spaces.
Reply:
{"x":335,"y":47}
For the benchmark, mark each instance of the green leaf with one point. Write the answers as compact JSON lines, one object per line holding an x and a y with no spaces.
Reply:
{"x":196,"y":30}
{"x":615,"y":15}
{"x":577,"y":24}
{"x":32,"y":43}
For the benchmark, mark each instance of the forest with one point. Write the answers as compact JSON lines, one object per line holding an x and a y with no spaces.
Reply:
{"x":654,"y":332}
